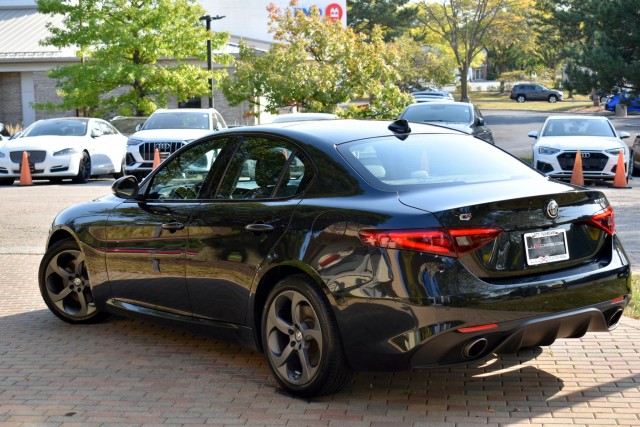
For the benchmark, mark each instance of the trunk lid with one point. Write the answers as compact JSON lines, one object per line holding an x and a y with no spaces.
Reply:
{"x":547,"y":227}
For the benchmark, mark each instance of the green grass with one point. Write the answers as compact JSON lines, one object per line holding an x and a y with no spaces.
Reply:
{"x":501,"y":101}
{"x":633,"y":309}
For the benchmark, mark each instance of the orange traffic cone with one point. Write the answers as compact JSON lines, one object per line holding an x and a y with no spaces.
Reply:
{"x":25,"y":170}
{"x":620,"y":180}
{"x":156,"y":159}
{"x":576,"y":176}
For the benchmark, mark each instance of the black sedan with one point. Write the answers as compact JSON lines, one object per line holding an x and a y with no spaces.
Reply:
{"x":343,"y":245}
{"x":462,"y":116}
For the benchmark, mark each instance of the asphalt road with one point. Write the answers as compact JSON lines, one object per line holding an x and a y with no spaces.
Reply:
{"x":511,"y":128}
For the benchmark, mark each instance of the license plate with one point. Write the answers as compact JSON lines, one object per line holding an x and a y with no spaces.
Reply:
{"x":546,"y":246}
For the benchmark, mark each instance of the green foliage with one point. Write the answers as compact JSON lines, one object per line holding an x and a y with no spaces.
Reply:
{"x":604,"y":41}
{"x":393,"y":17}
{"x":419,"y":64}
{"x":133,"y":54}
{"x":316,"y":64}
{"x":467,"y":26}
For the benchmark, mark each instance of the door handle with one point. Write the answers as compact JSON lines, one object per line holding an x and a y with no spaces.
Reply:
{"x":172,"y":226}
{"x":259,"y":227}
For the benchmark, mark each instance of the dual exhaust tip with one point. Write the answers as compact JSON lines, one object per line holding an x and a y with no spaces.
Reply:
{"x":476,"y":347}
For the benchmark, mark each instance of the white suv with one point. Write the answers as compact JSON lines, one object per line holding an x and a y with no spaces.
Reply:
{"x":168,"y":130}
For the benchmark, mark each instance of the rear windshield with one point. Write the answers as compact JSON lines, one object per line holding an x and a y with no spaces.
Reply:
{"x":389,"y":163}
{"x":452,"y":113}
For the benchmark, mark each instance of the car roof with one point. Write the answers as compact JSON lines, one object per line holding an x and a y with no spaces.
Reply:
{"x":337,"y":131}
{"x":291,"y":117}
{"x":576,"y":117}
{"x":184,"y":110}
{"x":448,"y":103}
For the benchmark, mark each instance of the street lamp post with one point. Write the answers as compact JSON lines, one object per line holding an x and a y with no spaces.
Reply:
{"x":208,"y":19}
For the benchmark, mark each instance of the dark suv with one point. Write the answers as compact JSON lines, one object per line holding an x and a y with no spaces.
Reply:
{"x":534,"y":92}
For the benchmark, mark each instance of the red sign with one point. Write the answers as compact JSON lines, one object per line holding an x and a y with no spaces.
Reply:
{"x":334,"y":12}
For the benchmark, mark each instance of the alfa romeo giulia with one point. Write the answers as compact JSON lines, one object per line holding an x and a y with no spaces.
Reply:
{"x":342,"y":245}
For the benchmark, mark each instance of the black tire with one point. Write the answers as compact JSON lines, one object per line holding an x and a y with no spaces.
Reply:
{"x":553,"y":99}
{"x":521,"y":98}
{"x":65,"y":284}
{"x":301,"y":340}
{"x":84,"y":170}
{"x":7,"y":181}
{"x":630,"y":167}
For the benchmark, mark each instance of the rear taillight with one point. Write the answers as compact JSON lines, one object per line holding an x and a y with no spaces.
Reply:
{"x":604,"y":220}
{"x":454,"y":242}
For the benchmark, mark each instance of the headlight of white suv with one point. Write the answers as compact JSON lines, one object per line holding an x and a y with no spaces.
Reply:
{"x":546,"y":151}
{"x":66,"y":152}
{"x":615,"y":151}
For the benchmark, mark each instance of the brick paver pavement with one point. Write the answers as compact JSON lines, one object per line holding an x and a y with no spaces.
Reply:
{"x":129,"y":372}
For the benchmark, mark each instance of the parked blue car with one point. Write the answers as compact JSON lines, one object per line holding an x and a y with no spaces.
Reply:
{"x":634,"y":105}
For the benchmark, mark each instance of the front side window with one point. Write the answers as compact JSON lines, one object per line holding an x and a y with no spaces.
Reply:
{"x":184,"y":176}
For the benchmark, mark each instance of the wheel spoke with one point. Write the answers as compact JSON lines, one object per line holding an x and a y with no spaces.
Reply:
{"x":60,"y":295}
{"x":84,"y":308}
{"x":308,"y":370}
{"x":277,"y":322}
{"x":280,"y":361}
{"x":297,"y":303}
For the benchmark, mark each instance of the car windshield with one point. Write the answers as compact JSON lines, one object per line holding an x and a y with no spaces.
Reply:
{"x":393,"y":164}
{"x":580,"y":127}
{"x":453,"y":113}
{"x":178,"y":120}
{"x":57,"y":128}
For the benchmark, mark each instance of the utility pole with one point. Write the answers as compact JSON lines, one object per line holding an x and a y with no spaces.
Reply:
{"x":208,"y":19}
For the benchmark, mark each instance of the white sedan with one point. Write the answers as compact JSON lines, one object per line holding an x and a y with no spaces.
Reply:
{"x":64,"y":148}
{"x":561,"y":137}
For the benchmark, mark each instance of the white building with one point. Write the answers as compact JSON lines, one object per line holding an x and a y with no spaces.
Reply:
{"x":24,"y":62}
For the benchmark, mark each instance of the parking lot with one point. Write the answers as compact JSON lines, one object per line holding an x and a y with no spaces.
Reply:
{"x":128,"y":372}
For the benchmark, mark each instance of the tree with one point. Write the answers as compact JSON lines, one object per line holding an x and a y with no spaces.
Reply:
{"x":133,"y":53}
{"x":419,"y":64}
{"x":315,"y":64}
{"x":394,"y":17}
{"x":602,"y":41}
{"x":467,"y":26}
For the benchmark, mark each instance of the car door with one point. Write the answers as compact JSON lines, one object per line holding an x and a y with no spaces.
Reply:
{"x":147,"y":237}
{"x":538,"y":93}
{"x":231,"y":234}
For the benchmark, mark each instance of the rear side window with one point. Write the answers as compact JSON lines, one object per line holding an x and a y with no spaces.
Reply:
{"x":431,"y":159}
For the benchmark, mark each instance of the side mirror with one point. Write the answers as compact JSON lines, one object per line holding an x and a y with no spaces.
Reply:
{"x":125,"y":187}
{"x":533,"y":134}
{"x":139,"y":126}
{"x":480,"y":121}
{"x":624,"y":135}
{"x":95,"y":133}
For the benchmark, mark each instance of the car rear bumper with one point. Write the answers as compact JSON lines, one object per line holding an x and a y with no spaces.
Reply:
{"x":472,"y":319}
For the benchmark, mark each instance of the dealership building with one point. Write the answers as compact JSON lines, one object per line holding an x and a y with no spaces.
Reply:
{"x":24,"y":62}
